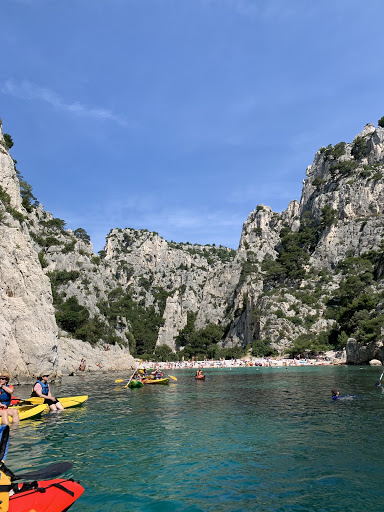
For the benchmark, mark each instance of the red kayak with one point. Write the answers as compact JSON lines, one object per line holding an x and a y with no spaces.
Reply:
{"x":45,"y":496}
{"x":200,"y":377}
{"x":34,"y":494}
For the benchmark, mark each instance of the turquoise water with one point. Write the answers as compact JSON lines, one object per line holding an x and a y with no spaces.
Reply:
{"x":267,"y":439}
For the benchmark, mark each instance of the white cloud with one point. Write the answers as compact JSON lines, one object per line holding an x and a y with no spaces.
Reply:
{"x":29,"y":91}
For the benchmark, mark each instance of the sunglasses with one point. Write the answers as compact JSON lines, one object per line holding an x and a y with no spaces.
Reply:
{"x":4,"y":378}
{"x":45,"y":375}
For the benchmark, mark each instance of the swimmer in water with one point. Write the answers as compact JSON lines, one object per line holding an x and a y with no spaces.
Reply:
{"x":335,"y":394}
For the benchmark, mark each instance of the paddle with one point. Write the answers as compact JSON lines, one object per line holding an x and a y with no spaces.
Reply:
{"x":51,"y":471}
{"x":128,"y":383}
{"x":378,"y":383}
{"x":20,"y":402}
{"x":37,"y":400}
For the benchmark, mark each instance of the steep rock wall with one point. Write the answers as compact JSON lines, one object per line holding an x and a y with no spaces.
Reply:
{"x":250,"y":293}
{"x":28,"y":331}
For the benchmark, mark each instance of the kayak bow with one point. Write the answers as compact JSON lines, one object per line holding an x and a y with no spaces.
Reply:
{"x":27,"y":412}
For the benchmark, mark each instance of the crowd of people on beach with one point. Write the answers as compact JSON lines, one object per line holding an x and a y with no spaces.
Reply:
{"x":239,"y":363}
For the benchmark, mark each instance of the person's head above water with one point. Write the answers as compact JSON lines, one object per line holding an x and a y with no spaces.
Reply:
{"x":335,"y":393}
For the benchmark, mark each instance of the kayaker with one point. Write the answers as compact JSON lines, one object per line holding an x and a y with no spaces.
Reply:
{"x":199,"y":372}
{"x":6,"y":391}
{"x":335,"y":394}
{"x":137,"y":376}
{"x":41,"y":389}
{"x":157,"y":374}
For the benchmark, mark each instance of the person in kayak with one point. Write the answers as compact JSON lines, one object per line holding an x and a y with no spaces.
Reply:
{"x":335,"y":394}
{"x":137,"y":376}
{"x":41,"y":389}
{"x":199,"y":372}
{"x":6,"y":391}
{"x":157,"y":374}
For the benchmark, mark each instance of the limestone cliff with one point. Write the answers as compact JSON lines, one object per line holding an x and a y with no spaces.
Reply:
{"x":29,"y":339}
{"x":339,"y":217}
{"x":284,"y":288}
{"x":28,"y":331}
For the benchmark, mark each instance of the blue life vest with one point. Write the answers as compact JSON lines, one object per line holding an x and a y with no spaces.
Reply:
{"x":5,"y":398}
{"x":44,"y":387}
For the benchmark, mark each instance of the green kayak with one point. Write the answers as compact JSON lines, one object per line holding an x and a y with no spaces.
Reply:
{"x":135,"y":384}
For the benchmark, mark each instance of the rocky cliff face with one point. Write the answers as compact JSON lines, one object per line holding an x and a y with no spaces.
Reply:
{"x":29,"y":336}
{"x":339,"y":216}
{"x":28,"y":332}
{"x":284,"y":284}
{"x":354,"y":188}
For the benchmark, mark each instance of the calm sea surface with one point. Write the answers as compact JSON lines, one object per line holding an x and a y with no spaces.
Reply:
{"x":267,"y":439}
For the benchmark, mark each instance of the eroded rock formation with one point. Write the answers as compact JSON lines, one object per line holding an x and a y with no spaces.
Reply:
{"x":141,"y":292}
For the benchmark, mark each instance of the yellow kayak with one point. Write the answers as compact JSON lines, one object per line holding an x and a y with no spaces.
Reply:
{"x":156,"y":381}
{"x":66,"y":402}
{"x":72,"y":401}
{"x":28,"y":411}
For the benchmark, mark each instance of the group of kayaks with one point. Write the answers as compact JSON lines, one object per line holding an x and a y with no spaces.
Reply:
{"x":139,"y":383}
{"x":35,"y":406}
{"x":34,"y":493}
{"x":146,"y":376}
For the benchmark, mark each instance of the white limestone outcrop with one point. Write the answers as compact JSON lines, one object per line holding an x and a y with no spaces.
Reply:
{"x":242,"y":291}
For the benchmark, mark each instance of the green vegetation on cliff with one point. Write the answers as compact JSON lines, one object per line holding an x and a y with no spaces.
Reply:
{"x":144,"y":322}
{"x":356,"y":306}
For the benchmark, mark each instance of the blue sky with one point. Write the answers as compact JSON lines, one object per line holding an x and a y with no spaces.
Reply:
{"x":180,"y":116}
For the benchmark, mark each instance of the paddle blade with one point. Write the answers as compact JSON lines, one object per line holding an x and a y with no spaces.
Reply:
{"x":4,"y":441}
{"x":51,"y":471}
{"x":172,"y":377}
{"x":119,"y":380}
{"x":35,"y":400}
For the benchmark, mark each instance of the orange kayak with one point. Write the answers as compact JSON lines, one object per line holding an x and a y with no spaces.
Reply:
{"x":45,"y":496}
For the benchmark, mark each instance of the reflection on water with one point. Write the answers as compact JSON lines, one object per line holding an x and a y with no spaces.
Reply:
{"x":246,"y":439}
